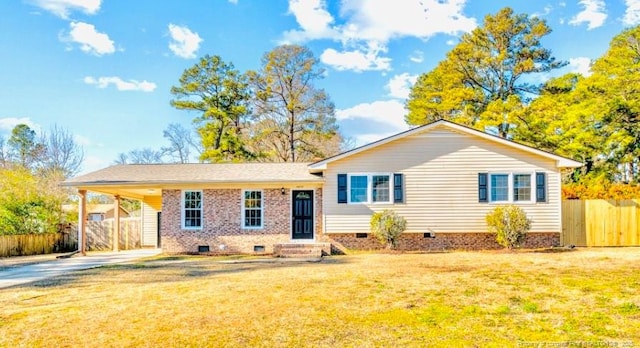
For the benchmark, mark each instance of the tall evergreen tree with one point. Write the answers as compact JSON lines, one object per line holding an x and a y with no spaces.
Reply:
{"x":481,"y":81}
{"x":220,"y":94}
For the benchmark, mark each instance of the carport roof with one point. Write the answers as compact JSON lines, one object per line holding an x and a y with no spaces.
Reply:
{"x":158,"y":174}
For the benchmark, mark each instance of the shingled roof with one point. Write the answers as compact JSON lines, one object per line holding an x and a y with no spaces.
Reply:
{"x":131,"y":174}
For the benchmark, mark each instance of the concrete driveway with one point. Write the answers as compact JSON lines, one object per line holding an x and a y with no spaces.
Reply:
{"x":16,"y":275}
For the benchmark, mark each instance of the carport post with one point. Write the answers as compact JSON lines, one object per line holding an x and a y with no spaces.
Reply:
{"x":82,"y":222}
{"x":116,"y":223}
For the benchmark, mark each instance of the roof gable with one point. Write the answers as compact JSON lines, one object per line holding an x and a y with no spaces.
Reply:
{"x":561,"y":162}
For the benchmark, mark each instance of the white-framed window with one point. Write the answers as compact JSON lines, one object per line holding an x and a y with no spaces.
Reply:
{"x":380,"y":188}
{"x":370,"y":188}
{"x":192,"y":209}
{"x":522,"y":188}
{"x":358,"y":188}
{"x":499,"y":187}
{"x":511,"y":187}
{"x":252,"y":209}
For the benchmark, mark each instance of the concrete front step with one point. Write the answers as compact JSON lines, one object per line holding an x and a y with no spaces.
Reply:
{"x":302,"y":250}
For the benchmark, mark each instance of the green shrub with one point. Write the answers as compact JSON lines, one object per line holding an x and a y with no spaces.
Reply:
{"x":387,"y":226}
{"x":510,"y":223}
{"x":28,"y":204}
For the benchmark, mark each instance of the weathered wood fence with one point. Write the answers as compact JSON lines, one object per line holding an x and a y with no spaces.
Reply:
{"x":99,"y":237}
{"x":100,"y":234}
{"x":601,"y":222}
{"x":35,"y":244}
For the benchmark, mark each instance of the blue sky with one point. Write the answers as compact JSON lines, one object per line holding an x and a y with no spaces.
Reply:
{"x":103,"y":69}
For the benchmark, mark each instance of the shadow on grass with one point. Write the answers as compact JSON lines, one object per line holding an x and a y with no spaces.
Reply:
{"x":167,"y":269}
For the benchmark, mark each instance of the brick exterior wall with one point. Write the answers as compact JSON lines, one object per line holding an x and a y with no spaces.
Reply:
{"x":442,"y":241}
{"x":222,"y":226}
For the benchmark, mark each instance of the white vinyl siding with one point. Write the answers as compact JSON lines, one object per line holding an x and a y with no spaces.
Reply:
{"x":440,"y":169}
{"x":151,"y":205}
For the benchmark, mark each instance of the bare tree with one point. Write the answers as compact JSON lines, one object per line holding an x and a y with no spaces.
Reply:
{"x":122,"y":158}
{"x":4,"y":156}
{"x":296,"y":118}
{"x":140,"y":156}
{"x":61,"y":152}
{"x":181,"y":142}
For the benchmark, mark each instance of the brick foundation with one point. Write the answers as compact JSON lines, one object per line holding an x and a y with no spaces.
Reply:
{"x":222,"y":231}
{"x":442,"y":241}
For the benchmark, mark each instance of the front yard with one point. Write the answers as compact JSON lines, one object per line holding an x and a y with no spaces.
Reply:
{"x":586,"y":296}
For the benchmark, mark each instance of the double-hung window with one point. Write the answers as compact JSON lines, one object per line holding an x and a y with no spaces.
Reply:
{"x":191,"y":209}
{"x":522,"y":187}
{"x":252,"y":204}
{"x":380,"y":189}
{"x":359,"y":188}
{"x":499,"y":187}
{"x":370,"y":188}
{"x":512,"y":187}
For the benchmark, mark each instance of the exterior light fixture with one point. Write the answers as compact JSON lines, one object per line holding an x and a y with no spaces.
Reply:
{"x":283,"y":191}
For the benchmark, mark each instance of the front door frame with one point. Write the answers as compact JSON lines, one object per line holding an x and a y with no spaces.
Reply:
{"x":313,"y":213}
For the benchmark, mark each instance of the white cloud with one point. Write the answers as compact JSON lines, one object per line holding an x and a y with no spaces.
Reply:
{"x":547,"y":9}
{"x":235,"y":2}
{"x":62,"y":8}
{"x":581,"y":65}
{"x":390,"y":113}
{"x":375,"y":20}
{"x":417,"y":56}
{"x":632,"y":13}
{"x":372,"y":23}
{"x":90,"y":40}
{"x":82,"y":140}
{"x":594,"y":14}
{"x":399,"y":86}
{"x":8,"y":123}
{"x":356,"y":60}
{"x":312,"y":17}
{"x":120,"y":84}
{"x":184,"y":43}
{"x":92,"y":163}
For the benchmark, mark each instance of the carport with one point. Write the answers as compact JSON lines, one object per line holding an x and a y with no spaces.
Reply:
{"x":110,"y":182}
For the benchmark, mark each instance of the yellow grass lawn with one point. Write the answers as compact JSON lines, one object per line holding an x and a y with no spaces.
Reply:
{"x":587,"y":296}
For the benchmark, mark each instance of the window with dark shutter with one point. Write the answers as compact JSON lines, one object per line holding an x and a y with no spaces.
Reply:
{"x":482,"y":188}
{"x":398,"y":192}
{"x":342,"y":188}
{"x":541,"y":187}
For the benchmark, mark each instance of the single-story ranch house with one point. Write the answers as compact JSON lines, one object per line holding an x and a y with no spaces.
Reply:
{"x":443,"y":178}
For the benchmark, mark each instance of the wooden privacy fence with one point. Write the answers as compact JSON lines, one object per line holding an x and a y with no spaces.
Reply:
{"x":601,"y":222}
{"x":99,"y":237}
{"x":35,"y":244}
{"x":100,"y":234}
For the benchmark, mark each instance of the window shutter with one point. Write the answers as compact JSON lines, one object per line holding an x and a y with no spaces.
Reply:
{"x":541,"y":187}
{"x":398,"y":193}
{"x":482,"y":188}
{"x":342,"y":188}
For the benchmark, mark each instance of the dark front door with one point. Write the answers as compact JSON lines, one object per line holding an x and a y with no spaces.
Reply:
{"x":302,"y":214}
